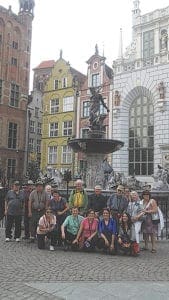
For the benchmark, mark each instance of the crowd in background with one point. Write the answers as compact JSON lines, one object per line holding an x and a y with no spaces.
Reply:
{"x":86,"y":222}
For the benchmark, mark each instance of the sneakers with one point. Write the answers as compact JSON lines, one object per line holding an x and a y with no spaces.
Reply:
{"x":17,"y":240}
{"x":51,"y":248}
{"x":7,"y":240}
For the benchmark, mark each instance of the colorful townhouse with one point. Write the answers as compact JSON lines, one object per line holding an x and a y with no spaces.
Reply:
{"x":59,"y":116}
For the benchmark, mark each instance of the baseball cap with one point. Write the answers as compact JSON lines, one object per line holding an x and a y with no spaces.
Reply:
{"x":39,"y":183}
{"x":30,"y":182}
{"x":120,"y":188}
{"x":16,"y":183}
{"x":98,"y":187}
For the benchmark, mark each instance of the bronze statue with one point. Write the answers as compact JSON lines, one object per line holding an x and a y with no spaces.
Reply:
{"x":95,"y":117}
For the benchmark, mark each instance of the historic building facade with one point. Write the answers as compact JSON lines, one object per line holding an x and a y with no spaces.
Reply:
{"x":100,"y":77}
{"x":35,"y":110}
{"x":59,"y":111}
{"x":141,"y":96}
{"x":15,"y":49}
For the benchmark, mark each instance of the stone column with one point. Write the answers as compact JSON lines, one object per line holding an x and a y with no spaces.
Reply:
{"x":94,"y":172}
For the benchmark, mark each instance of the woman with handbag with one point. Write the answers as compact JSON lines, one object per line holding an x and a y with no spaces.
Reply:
{"x":149,"y":226}
{"x":87,"y":234}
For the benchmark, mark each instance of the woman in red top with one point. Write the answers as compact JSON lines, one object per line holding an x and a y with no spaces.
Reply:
{"x":87,"y":233}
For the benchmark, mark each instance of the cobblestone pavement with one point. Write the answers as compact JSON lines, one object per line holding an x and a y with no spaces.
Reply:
{"x":29,"y":273}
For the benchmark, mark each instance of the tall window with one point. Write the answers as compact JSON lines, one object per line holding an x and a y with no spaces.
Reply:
{"x":39,"y":128}
{"x":38,"y":149}
{"x":141,"y":137}
{"x":148,"y":44}
{"x":66,"y":155}
{"x":31,"y":145}
{"x":52,"y":154}
{"x":54,"y":106}
{"x":36,"y":112}
{"x":32,"y":126}
{"x":84,"y":132}
{"x":67,"y":128}
{"x":11,"y":168}
{"x":56,"y":84}
{"x":0,"y":90}
{"x":14,"y":61}
{"x":15,"y":45}
{"x":68,"y":103}
{"x":86,"y":109}
{"x":64,"y":82}
{"x":14,"y":99}
{"x":12,"y":136}
{"x":53,"y":129}
{"x":95,"y":80}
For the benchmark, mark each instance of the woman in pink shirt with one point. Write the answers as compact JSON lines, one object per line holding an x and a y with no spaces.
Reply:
{"x":87,"y":233}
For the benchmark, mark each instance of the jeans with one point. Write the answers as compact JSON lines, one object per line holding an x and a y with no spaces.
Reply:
{"x":50,"y":235}
{"x":33,"y":223}
{"x":10,"y":221}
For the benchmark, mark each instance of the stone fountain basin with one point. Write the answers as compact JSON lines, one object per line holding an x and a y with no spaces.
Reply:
{"x":95,"y":145}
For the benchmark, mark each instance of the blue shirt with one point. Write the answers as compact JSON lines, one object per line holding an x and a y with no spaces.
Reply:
{"x":110,"y":227}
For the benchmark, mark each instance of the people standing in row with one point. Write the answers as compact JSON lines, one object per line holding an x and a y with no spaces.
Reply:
{"x":27,"y":191}
{"x":38,"y":201}
{"x":79,"y":198}
{"x":14,"y":204}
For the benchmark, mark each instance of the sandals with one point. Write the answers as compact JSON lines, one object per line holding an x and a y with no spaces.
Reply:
{"x":153,"y":251}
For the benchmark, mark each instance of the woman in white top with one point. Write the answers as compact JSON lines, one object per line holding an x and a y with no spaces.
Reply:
{"x":47,"y":230}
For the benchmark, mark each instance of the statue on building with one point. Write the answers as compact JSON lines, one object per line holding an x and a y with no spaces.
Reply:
{"x":95,"y":117}
{"x":161,"y":179}
{"x":117,"y":98}
{"x":27,"y":6}
{"x":164,"y":40}
{"x":161,"y":90}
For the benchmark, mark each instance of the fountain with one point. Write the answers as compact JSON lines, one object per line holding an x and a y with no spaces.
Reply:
{"x":95,"y":146}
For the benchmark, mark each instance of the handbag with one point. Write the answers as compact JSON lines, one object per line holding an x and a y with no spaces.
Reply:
{"x":155,"y":218}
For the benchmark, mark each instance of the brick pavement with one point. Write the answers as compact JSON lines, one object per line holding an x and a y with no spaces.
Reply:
{"x":23,"y":266}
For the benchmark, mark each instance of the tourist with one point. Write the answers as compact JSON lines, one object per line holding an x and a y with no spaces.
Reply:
{"x":134,"y":209}
{"x":27,"y":190}
{"x":117,"y":203}
{"x":48,"y":190}
{"x":38,"y":201}
{"x":87,"y":234}
{"x":60,"y":209}
{"x":78,"y":197}
{"x":97,"y":201}
{"x":127,"y":193}
{"x":14,"y":204}
{"x":107,"y":232}
{"x":125,"y":239}
{"x":70,"y":228}
{"x":47,"y":230}
{"x":149,"y":228}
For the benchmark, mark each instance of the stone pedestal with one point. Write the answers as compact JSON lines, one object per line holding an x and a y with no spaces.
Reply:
{"x":94,"y":172}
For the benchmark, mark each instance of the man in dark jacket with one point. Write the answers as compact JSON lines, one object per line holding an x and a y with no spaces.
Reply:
{"x":97,"y":201}
{"x":117,"y":202}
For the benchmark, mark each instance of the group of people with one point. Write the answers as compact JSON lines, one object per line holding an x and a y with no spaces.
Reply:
{"x":84,"y":222}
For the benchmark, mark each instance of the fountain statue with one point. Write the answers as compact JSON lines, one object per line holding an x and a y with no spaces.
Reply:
{"x":95,"y":146}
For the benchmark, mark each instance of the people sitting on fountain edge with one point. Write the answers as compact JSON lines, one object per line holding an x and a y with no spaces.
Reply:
{"x":79,"y":198}
{"x":97,"y":201}
{"x":117,"y":203}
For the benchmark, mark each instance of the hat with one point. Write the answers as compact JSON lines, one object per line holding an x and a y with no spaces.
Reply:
{"x":16,"y":183}
{"x":120,"y":188}
{"x":39,"y":183}
{"x":30,"y":182}
{"x":98,"y":187}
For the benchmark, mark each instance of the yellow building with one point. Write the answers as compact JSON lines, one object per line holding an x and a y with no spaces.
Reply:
{"x":59,"y":115}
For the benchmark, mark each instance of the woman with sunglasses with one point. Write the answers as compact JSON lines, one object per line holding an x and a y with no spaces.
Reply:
{"x":47,"y":230}
{"x":149,"y":229}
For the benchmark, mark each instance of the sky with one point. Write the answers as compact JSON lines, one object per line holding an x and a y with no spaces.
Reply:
{"x":75,"y":26}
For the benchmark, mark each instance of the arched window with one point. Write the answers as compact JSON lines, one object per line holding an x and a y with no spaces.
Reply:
{"x":141,"y":137}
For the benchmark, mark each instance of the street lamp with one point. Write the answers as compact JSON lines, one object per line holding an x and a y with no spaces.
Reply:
{"x":67,"y":176}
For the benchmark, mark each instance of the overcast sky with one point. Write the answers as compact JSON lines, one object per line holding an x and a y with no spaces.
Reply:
{"x":75,"y":26}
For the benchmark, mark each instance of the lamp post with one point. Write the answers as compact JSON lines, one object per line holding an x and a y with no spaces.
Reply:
{"x":67,"y":177}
